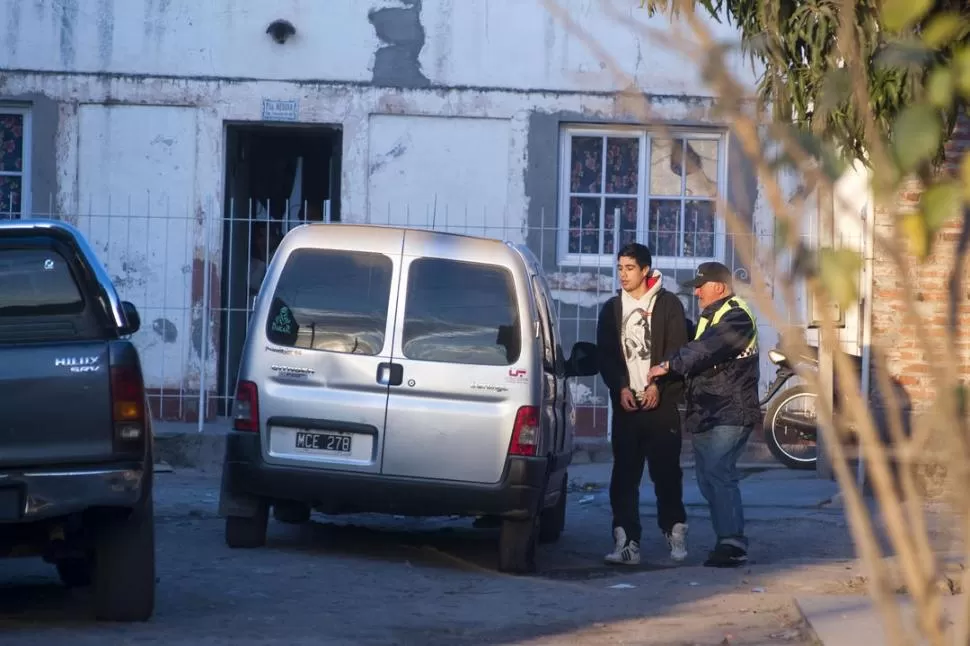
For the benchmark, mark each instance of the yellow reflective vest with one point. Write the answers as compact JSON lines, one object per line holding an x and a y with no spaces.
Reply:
{"x":752,"y":348}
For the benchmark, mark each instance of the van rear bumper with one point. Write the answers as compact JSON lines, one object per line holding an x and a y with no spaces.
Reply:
{"x":247,"y":479}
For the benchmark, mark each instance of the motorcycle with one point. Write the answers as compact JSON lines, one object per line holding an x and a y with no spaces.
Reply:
{"x":783,"y":421}
{"x":786,"y":424}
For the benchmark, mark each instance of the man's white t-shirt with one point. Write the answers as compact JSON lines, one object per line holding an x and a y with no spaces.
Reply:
{"x":635,"y":332}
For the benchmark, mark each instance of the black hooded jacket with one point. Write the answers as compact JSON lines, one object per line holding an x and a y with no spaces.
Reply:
{"x":668,"y":333}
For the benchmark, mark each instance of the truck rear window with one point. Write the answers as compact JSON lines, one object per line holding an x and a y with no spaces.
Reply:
{"x":37,"y":282}
{"x":330,"y":300}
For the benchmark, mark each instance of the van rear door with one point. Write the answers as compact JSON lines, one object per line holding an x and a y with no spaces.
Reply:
{"x":461,"y":359}
{"x":323,"y":370}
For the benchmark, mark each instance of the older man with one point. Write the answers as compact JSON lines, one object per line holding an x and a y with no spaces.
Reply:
{"x":722,"y":370}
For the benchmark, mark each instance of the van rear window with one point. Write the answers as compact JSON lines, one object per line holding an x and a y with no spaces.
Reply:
{"x":331,"y":300}
{"x":37,"y":282}
{"x":461,"y":312}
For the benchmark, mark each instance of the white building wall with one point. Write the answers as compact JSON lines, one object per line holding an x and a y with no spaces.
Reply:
{"x":437,"y":117}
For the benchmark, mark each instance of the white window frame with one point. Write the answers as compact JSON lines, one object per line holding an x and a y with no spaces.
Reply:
{"x":25,"y":174}
{"x":645,"y":137}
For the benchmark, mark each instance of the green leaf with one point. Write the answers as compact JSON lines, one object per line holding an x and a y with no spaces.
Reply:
{"x":943,"y":28}
{"x":902,"y":53}
{"x":917,"y":134}
{"x":940,"y":203}
{"x":839,"y":273}
{"x":939,"y":87}
{"x":899,"y":14}
{"x":836,"y":88}
{"x":961,"y":70}
{"x":915,"y":231}
{"x":965,"y":176}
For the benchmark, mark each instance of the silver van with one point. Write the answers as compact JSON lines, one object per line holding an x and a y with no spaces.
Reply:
{"x":402,"y":371}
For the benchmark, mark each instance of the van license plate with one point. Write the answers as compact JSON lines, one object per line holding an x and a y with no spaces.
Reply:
{"x":323,"y":441}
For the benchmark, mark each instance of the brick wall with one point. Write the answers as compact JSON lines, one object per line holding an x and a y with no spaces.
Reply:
{"x":891,"y":334}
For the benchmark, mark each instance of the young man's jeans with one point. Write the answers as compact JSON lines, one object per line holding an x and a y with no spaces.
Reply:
{"x":716,"y":454}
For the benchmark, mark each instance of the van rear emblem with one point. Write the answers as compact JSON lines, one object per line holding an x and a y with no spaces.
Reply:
{"x":293,"y":372}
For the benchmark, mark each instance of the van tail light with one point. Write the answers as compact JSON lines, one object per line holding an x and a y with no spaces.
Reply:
{"x":245,"y":415}
{"x":525,"y":433}
{"x":128,"y":408}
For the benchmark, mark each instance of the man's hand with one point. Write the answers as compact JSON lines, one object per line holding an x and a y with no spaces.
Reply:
{"x":628,"y":401}
{"x":657,"y":371}
{"x":651,"y":397}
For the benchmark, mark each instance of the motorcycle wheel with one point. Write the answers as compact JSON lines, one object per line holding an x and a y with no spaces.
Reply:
{"x":773,"y":419}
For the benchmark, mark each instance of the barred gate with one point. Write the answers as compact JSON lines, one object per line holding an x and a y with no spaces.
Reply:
{"x":193,"y":275}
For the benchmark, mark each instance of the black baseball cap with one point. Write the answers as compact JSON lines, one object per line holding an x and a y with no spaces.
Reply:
{"x":708,"y":272}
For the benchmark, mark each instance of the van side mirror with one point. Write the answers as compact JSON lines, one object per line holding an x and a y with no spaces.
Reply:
{"x":582,"y":362}
{"x":132,"y":318}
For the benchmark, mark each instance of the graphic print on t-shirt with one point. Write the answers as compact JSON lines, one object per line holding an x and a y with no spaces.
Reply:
{"x":636,"y":332}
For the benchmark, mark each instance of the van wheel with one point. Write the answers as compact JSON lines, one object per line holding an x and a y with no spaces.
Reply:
{"x":248,"y":531}
{"x":553,"y":520}
{"x":517,"y":543}
{"x":124,"y":566}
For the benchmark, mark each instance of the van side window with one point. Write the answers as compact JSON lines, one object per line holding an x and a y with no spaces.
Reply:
{"x":330,"y":300}
{"x":461,"y":312}
{"x":546,"y":325}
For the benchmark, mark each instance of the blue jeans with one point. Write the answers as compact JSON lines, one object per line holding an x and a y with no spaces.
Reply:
{"x":716,"y":454}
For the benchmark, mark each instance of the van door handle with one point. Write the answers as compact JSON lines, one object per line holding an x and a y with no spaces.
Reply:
{"x":390,"y":374}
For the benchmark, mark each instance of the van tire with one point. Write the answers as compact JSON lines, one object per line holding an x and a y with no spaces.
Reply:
{"x":553,"y":519}
{"x":248,"y":531}
{"x":518,"y":541}
{"x":124,"y":565}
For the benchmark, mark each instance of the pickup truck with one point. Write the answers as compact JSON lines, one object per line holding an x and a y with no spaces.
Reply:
{"x":75,"y":426}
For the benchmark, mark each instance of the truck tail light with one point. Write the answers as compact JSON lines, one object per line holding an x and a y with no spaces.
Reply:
{"x":525,"y":433}
{"x":128,"y":407}
{"x":245,"y":414}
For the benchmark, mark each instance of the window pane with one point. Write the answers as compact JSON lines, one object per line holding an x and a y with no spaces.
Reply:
{"x":332,"y":300}
{"x":622,"y":166}
{"x":9,"y":197}
{"x":584,"y":225}
{"x":699,"y":228}
{"x":12,"y":143}
{"x":627,"y":225}
{"x":701,"y":167}
{"x":665,"y":166}
{"x":36,"y":282}
{"x":664,"y":227}
{"x":461,"y":312}
{"x":586,"y":165}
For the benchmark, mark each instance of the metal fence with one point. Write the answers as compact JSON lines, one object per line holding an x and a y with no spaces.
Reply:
{"x":193,"y":272}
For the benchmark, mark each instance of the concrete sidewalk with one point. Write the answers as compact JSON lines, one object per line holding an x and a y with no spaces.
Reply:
{"x":842,"y":620}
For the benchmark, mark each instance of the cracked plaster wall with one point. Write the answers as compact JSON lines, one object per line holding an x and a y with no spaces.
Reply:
{"x":471,"y":78}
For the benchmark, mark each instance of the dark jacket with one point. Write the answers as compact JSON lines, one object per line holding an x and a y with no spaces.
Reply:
{"x":668,"y":332}
{"x":721,"y":390}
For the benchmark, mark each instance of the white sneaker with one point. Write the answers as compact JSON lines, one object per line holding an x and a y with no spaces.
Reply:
{"x":625,"y":552}
{"x":677,"y":540}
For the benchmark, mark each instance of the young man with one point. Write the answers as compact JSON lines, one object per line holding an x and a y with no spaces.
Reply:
{"x":639,"y":327}
{"x":722,"y":369}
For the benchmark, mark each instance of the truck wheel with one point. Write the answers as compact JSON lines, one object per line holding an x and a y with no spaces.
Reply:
{"x":248,"y":531}
{"x":553,"y":520}
{"x":75,"y":572}
{"x":517,"y":543}
{"x":291,"y":512}
{"x":124,"y":565}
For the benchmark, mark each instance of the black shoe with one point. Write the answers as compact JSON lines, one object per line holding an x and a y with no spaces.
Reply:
{"x":725,"y":555}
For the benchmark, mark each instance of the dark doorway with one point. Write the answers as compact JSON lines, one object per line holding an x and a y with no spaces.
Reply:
{"x":277,"y":177}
